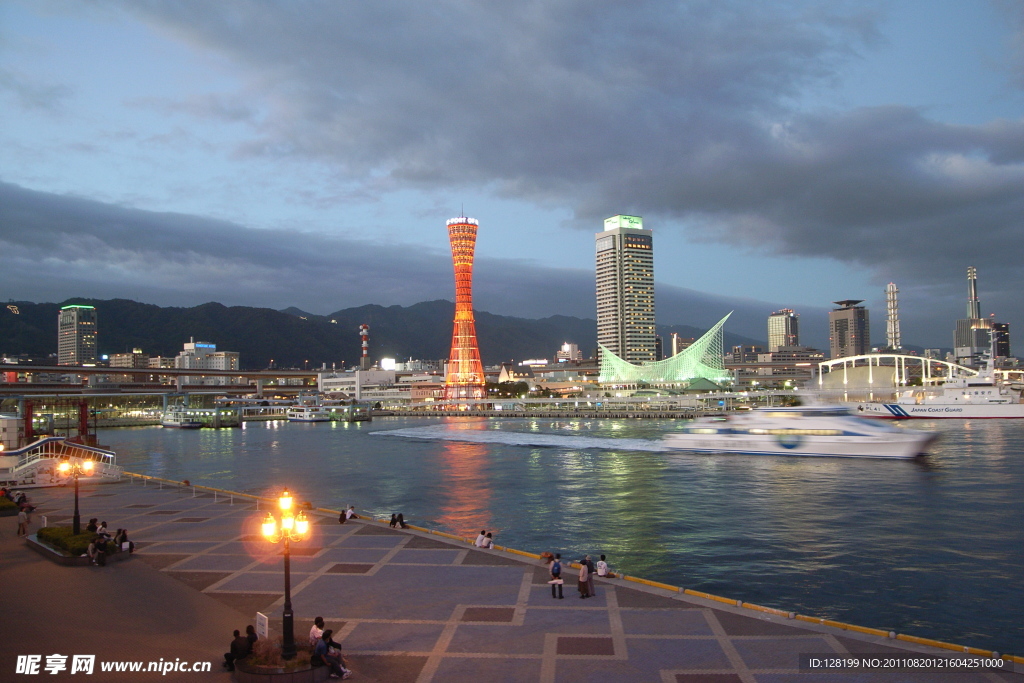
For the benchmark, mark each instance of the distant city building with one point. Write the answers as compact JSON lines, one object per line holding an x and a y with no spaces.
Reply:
{"x":135,"y":359}
{"x":974,"y":335}
{"x":465,"y":375}
{"x":783,"y":329}
{"x":205,"y":356}
{"x":76,"y":335}
{"x":568,"y":352}
{"x":783,"y":367}
{"x":1001,"y":337}
{"x":892,"y":317}
{"x":680,"y":343}
{"x":849,"y":331}
{"x":625,"y":289}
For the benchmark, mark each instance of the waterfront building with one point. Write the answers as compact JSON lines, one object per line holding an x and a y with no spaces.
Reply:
{"x":680,"y":343}
{"x":702,"y":360}
{"x":783,"y":329}
{"x":135,"y":359}
{"x":892,"y":318}
{"x":76,"y":335}
{"x":849,"y":330}
{"x":568,"y":352}
{"x":782,"y":367}
{"x":465,"y":375}
{"x":625,"y":289}
{"x":205,"y":356}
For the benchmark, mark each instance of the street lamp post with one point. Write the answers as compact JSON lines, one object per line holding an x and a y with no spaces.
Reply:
{"x":292,"y":528}
{"x":74,"y":469}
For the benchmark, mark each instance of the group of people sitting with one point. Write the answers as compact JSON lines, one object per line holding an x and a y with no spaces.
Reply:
{"x":18,"y":498}
{"x":398,"y":521}
{"x":326,"y":652}
{"x":241,"y":647}
{"x":484,"y":540}
{"x":104,"y":544}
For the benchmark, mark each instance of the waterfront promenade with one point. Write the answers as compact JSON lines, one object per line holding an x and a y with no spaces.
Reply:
{"x":407,"y":605}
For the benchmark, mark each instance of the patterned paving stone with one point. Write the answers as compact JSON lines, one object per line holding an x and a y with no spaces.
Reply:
{"x":630,"y":597}
{"x":680,"y":622}
{"x":477,"y":669}
{"x":491,"y":614}
{"x":497,"y":639}
{"x":423,"y":543}
{"x":164,"y":512}
{"x":342,"y":568}
{"x":161,"y":561}
{"x":247,"y":603}
{"x":371,"y":530}
{"x":486,"y":558}
{"x":386,"y":668}
{"x":708,"y":678}
{"x":739,"y":625}
{"x":577,"y":645}
{"x":198,"y":580}
{"x":397,"y":637}
{"x":191,"y":520}
{"x":778,"y":653}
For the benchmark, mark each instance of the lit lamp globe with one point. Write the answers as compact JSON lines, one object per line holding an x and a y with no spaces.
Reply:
{"x":291,"y":528}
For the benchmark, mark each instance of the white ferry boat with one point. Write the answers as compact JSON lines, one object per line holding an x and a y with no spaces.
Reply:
{"x":978,"y":397}
{"x":180,"y":418}
{"x":309,"y":413}
{"x":808,"y":431}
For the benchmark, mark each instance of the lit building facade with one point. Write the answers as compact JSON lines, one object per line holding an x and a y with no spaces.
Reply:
{"x":625,"y":289}
{"x":974,"y":336}
{"x":849,"y":330}
{"x":783,"y":329}
{"x":465,"y":378}
{"x":205,"y":356}
{"x":76,"y":335}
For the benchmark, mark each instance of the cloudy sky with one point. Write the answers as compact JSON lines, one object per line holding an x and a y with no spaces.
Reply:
{"x":280,"y":154}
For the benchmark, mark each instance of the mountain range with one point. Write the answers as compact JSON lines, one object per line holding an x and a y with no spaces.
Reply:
{"x":294,"y":338}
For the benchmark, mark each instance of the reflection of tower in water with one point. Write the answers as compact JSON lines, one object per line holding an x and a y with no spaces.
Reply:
{"x":465,"y":379}
{"x":466,"y":493}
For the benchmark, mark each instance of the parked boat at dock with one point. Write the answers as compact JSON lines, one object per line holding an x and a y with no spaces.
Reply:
{"x":180,"y":418}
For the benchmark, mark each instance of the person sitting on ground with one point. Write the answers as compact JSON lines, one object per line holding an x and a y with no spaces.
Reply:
{"x":351,"y":512}
{"x":102,"y":530}
{"x":316,"y":631}
{"x":250,"y":635}
{"x":92,"y":527}
{"x":481,"y":539}
{"x":94,"y":549}
{"x":330,"y":653}
{"x":240,"y":649}
{"x":602,"y":567}
{"x":394,"y":520}
{"x":401,"y":521}
{"x":488,"y":542}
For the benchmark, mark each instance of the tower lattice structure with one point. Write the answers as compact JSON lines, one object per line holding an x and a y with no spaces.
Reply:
{"x":465,"y":378}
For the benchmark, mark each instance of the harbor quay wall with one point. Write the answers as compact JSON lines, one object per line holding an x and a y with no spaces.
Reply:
{"x":270,"y":503}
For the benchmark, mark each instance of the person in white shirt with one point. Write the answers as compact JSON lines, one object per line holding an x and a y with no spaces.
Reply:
{"x":481,"y":539}
{"x":602,"y":567}
{"x":317,"y":631}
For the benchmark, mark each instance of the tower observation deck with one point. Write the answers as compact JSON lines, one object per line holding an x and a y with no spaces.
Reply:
{"x":465,"y":379}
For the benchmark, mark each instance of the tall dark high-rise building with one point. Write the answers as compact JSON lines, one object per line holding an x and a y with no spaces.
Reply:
{"x":1001,"y":339}
{"x":973,"y":336}
{"x":625,"y":289}
{"x":76,"y":335}
{"x":465,"y":378}
{"x":849,"y":331}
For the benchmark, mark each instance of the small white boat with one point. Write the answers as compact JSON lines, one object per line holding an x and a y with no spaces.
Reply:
{"x":180,"y":418}
{"x":808,"y":431}
{"x":309,"y":413}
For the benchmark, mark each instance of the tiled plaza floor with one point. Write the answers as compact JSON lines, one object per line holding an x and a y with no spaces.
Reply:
{"x":409,"y":606}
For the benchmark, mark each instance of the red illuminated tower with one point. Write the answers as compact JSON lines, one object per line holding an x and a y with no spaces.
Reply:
{"x":465,"y":372}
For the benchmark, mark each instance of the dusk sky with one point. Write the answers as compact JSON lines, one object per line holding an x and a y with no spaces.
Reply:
{"x":308,"y":154}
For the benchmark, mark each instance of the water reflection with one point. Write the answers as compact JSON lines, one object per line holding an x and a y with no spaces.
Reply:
{"x":467,"y":493}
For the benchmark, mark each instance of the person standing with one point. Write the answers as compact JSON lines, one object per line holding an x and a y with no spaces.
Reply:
{"x":584,"y":575}
{"x":22,"y":522}
{"x":590,"y":576}
{"x":556,"y":576}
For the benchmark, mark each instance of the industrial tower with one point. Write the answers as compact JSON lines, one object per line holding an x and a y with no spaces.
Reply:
{"x":892,"y":319}
{"x":465,"y":379}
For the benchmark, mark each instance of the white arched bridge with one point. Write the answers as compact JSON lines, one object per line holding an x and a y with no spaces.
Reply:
{"x":891,"y":369}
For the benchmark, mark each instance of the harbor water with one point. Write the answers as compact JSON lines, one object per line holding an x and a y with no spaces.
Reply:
{"x":933,"y":548}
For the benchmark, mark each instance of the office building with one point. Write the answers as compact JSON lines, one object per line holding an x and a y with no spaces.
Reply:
{"x":974,"y":336}
{"x":568,"y":352}
{"x":783,"y":329}
{"x":849,"y":331}
{"x":1001,"y":339}
{"x":205,"y":356}
{"x":625,"y":289}
{"x":76,"y":335}
{"x":465,"y":376}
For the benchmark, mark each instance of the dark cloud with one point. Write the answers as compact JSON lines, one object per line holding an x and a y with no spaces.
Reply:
{"x":39,"y":96}
{"x":56,"y":247}
{"x":677,"y":110}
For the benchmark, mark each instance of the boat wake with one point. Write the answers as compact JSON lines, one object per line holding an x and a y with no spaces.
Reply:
{"x":512,"y":438}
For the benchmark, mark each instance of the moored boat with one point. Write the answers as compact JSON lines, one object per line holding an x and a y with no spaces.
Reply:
{"x":180,"y":418}
{"x":822,"y":431}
